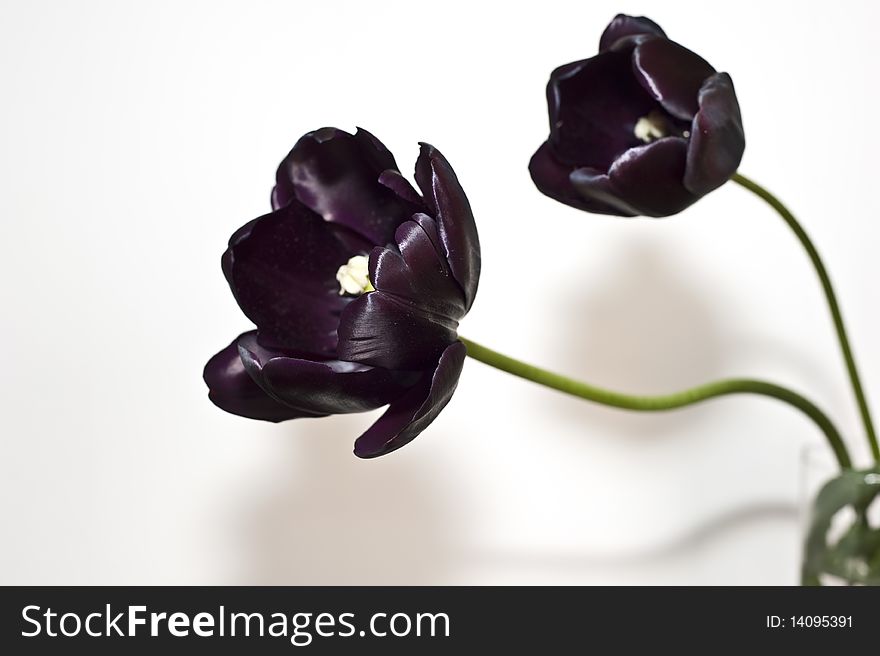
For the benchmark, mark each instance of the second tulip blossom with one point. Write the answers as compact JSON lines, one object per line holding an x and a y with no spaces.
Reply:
{"x":646,"y":127}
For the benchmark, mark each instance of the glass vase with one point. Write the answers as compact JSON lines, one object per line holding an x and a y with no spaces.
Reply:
{"x":840,"y":521}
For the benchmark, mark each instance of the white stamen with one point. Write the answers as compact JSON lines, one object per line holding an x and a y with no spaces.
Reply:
{"x":651,"y":127}
{"x":354,"y":276}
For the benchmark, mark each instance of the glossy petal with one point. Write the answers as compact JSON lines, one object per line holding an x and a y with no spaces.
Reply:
{"x":417,"y":271}
{"x":404,"y":190}
{"x":672,"y":74}
{"x":336,"y":174}
{"x":383,"y":330}
{"x":624,"y":26}
{"x":650,"y":178}
{"x":717,"y":137}
{"x":232,"y":389}
{"x":596,"y":187}
{"x":282,"y":271}
{"x":409,"y":415}
{"x":455,"y":220}
{"x":325,"y":387}
{"x":594,"y":106}
{"x":555,"y":180}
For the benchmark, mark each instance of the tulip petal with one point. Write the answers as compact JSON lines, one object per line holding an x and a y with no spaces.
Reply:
{"x":650,"y":177}
{"x":384,"y":330}
{"x":455,"y":220}
{"x":404,"y":190}
{"x":558,"y":182}
{"x":672,"y":74}
{"x":321,"y":387}
{"x":596,"y":187}
{"x":623,"y":26}
{"x":717,"y":138}
{"x":409,"y":415}
{"x":336,"y":174}
{"x":232,"y":389}
{"x":282,"y":268}
{"x":418,"y":273}
{"x":594,"y":106}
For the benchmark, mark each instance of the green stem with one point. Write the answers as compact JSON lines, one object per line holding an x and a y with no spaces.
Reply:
{"x":666,"y":401}
{"x":833,"y":305}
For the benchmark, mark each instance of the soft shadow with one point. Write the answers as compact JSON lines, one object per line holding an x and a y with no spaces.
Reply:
{"x":645,"y":328}
{"x":337,"y":520}
{"x":713,"y":529}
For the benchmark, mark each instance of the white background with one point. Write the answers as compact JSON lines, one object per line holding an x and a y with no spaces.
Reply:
{"x":135,"y":137}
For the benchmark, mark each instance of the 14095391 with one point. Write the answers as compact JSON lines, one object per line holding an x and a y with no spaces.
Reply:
{"x":809,"y":622}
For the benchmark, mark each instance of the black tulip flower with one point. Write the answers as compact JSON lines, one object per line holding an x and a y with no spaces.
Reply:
{"x":356,"y":284}
{"x":646,"y":127}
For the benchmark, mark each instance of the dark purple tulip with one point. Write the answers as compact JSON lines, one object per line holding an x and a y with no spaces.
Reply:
{"x":646,"y":127}
{"x":356,"y":283}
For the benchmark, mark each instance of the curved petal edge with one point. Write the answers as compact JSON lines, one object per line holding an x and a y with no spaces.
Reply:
{"x":414,"y":411}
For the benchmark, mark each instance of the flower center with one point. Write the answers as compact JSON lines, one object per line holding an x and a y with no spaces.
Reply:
{"x":651,"y":127}
{"x":656,"y":125}
{"x":353,"y":276}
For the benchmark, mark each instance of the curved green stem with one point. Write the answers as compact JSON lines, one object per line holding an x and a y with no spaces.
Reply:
{"x":833,"y":305}
{"x":666,"y":401}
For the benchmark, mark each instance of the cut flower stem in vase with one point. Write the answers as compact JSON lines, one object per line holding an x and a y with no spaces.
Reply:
{"x":842,"y":511}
